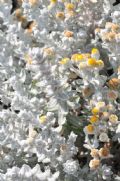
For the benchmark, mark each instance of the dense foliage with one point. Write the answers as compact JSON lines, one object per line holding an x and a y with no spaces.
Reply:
{"x":59,"y":90}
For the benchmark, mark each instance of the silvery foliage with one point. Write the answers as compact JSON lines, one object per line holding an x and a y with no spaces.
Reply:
{"x":26,"y":173}
{"x":42,"y":88}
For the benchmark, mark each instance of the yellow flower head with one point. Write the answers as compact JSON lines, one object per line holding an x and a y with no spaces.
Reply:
{"x":95,"y":110}
{"x":94,"y":51}
{"x":42,"y":119}
{"x":90,"y":129}
{"x":53,"y":1}
{"x":60,"y":15}
{"x":52,"y":4}
{"x":69,"y":6}
{"x":100,"y":63}
{"x":77,"y":57}
{"x":94,"y":119}
{"x":92,"y":62}
{"x":64,"y":61}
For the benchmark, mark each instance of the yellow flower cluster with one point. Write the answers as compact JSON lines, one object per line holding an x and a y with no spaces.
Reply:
{"x":94,"y":51}
{"x":89,"y":129}
{"x":69,"y":6}
{"x":68,"y":12}
{"x":77,"y":57}
{"x":96,"y":110}
{"x":42,"y":119}
{"x":106,"y":112}
{"x":94,"y":119}
{"x":98,"y":107}
{"x":87,"y":60}
{"x":95,"y":63}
